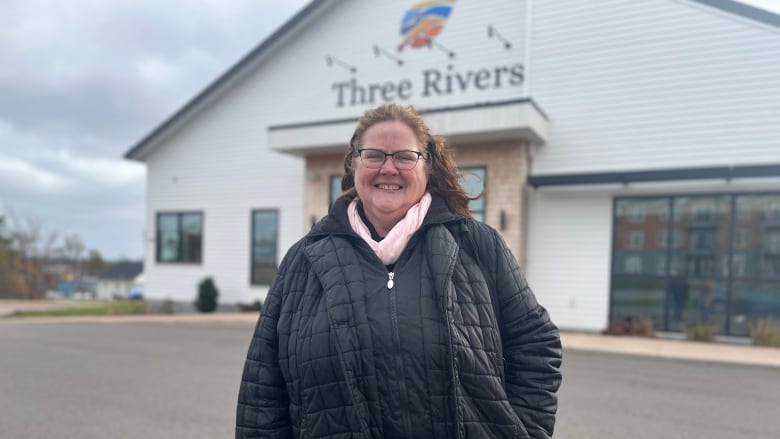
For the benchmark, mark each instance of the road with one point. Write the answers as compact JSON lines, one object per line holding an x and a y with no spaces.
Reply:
{"x":165,"y":380}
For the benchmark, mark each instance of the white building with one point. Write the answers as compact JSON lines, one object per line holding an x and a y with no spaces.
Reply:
{"x":629,"y":151}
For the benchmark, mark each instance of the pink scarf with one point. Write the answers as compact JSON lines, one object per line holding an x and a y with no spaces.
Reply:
{"x":390,"y":248}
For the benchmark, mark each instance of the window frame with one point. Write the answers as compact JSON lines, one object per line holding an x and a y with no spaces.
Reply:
{"x":252,"y":280}
{"x":180,"y":249}
{"x":331,"y":179}
{"x":470,"y":169}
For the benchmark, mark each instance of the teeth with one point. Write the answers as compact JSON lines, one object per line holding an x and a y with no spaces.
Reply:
{"x":389,"y":187}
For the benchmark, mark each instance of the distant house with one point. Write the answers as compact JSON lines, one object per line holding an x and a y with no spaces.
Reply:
{"x":119,"y":279}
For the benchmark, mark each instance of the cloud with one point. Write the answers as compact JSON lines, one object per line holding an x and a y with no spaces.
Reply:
{"x":84,"y":80}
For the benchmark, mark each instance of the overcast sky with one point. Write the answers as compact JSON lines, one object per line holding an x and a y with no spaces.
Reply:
{"x":81,"y":81}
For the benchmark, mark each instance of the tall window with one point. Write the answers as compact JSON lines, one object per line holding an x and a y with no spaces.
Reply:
{"x":179,"y":236}
{"x":720,"y":265}
{"x":265,"y":232}
{"x":473,"y":182}
{"x":335,"y":188}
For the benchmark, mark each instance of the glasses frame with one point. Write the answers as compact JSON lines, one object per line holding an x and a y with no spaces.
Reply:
{"x":420,"y":155}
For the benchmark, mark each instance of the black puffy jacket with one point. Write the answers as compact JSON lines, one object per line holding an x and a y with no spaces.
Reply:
{"x":312,"y":366}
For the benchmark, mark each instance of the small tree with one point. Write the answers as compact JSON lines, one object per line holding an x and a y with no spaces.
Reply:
{"x":207,"y":296}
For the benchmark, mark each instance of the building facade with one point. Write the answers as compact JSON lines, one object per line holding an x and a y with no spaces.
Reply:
{"x":629,"y":152}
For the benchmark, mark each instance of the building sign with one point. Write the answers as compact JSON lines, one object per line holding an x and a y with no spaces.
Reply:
{"x":423,"y":21}
{"x":419,"y":26}
{"x":431,"y":82}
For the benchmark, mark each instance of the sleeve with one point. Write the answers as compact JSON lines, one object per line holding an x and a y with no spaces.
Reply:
{"x":263,"y":403}
{"x":531,"y":344}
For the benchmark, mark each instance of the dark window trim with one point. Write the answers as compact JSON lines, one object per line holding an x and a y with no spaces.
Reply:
{"x":467,"y":169}
{"x":332,"y":200}
{"x":729,"y":280}
{"x":626,"y":177}
{"x":252,"y":242}
{"x":179,"y":214}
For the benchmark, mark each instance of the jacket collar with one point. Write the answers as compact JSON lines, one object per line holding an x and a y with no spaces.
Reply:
{"x":337,"y":222}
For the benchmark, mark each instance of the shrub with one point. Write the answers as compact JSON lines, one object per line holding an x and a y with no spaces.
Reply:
{"x":255,"y":306}
{"x":701,"y":331}
{"x":167,"y":307}
{"x":207,"y":296}
{"x":632,"y":326}
{"x":765,"y":332}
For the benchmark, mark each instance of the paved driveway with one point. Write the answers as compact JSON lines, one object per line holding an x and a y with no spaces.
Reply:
{"x":158,"y":378}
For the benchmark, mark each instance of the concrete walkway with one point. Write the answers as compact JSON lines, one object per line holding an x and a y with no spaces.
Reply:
{"x":651,"y":347}
{"x":680,"y":349}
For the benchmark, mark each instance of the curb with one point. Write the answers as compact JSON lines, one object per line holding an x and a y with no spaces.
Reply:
{"x":625,"y":345}
{"x":676,"y":349}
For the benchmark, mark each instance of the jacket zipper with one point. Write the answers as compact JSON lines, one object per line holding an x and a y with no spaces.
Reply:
{"x":397,"y":342}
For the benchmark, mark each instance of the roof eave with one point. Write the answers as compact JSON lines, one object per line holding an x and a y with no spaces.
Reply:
{"x":143,"y":147}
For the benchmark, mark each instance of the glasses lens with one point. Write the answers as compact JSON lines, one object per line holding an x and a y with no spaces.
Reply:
{"x":405,"y":159}
{"x":372,"y":158}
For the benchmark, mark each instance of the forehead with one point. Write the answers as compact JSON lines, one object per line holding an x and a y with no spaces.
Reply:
{"x":390,"y":134}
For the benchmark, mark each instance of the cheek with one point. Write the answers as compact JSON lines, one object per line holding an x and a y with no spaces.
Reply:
{"x":363,"y":177}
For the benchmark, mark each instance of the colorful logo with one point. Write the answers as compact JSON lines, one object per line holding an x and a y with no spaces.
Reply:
{"x":424,"y":21}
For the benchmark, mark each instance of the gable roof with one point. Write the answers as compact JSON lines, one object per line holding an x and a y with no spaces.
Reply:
{"x":746,"y":11}
{"x":123,"y":270}
{"x":142,"y":148}
{"x":274,"y":41}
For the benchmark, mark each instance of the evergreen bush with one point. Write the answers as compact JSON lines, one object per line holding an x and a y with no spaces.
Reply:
{"x":207,"y":296}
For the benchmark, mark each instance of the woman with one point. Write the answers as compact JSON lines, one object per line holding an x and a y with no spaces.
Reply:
{"x":398,"y":315}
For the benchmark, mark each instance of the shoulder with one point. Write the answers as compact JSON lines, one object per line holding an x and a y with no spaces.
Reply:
{"x":482,"y":234}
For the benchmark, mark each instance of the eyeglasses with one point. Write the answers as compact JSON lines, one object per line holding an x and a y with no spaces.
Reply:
{"x":403,"y":160}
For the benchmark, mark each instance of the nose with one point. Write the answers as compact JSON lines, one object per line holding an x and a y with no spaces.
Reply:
{"x":388,"y":167}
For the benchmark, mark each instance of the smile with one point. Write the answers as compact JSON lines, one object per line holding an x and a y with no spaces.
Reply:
{"x":389,"y":187}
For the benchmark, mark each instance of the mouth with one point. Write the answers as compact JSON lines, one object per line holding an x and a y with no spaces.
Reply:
{"x":388,"y":187}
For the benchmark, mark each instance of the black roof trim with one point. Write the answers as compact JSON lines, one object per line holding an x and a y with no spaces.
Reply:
{"x":423,"y":111}
{"x":237,"y":67}
{"x":747,"y":11}
{"x":722,"y":172}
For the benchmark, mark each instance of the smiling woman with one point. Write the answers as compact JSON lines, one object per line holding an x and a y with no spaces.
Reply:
{"x":399,"y":315}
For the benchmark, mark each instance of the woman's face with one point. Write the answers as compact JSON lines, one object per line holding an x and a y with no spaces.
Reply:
{"x":387,"y":193}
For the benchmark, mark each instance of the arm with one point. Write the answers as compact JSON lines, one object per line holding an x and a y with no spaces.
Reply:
{"x":263,"y":403}
{"x":532,"y":346}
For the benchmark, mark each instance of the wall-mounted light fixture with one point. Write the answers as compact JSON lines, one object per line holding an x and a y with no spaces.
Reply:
{"x":432,"y":44}
{"x":378,"y":51}
{"x":493,"y":33}
{"x":333,"y":61}
{"x":502,"y":220}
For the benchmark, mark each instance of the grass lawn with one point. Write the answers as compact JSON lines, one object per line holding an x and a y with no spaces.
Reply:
{"x":91,"y":308}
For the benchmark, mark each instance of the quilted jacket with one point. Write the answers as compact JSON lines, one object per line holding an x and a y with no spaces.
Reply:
{"x":311,"y":369}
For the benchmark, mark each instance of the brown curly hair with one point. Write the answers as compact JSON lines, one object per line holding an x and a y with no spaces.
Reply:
{"x":443,"y":174}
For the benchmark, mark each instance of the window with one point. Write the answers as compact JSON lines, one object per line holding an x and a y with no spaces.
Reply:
{"x":636,"y":213}
{"x":265,"y":232}
{"x":179,"y":237}
{"x":661,"y":237}
{"x":636,"y":240}
{"x":473,"y":181}
{"x":742,"y":238}
{"x":335,"y":188}
{"x":632,"y":264}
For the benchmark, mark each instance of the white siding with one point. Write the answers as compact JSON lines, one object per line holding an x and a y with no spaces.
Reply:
{"x":568,"y":256}
{"x":627,"y":85}
{"x":653,"y":85}
{"x":302,"y":82}
{"x":219,"y":162}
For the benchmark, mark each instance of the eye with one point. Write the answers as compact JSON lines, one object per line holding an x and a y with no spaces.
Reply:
{"x":373,"y":155}
{"x":406,"y":156}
